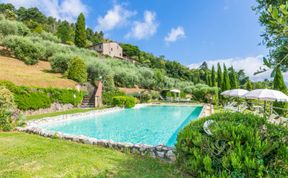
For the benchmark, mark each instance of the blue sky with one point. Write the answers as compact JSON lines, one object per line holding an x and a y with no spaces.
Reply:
{"x":189,"y":31}
{"x":213,"y":29}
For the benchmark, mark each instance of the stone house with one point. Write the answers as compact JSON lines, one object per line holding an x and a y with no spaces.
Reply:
{"x":112,"y":49}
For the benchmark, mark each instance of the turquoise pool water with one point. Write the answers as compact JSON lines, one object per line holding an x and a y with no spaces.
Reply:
{"x":151,"y":125}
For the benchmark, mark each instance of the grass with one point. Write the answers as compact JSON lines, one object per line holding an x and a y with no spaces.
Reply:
{"x":37,"y":75}
{"x":24,"y":155}
{"x":52,"y":114}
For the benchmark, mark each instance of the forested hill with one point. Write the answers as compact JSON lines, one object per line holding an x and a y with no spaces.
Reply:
{"x":59,"y":41}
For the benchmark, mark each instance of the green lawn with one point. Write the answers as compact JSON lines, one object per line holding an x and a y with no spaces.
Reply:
{"x":25,"y":155}
{"x":71,"y":111}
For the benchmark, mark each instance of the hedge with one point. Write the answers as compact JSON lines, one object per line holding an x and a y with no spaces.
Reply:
{"x":34,"y":101}
{"x":109,"y":95}
{"x":27,"y":98}
{"x":65,"y":96}
{"x":124,"y":101}
{"x":234,"y":145}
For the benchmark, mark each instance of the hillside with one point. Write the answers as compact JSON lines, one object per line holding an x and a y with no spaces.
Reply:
{"x":32,"y":75}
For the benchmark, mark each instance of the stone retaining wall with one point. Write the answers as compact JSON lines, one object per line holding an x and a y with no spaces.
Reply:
{"x":53,"y":108}
{"x":160,"y":151}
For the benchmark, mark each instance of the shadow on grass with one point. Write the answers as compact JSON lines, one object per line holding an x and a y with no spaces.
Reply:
{"x":50,"y":71}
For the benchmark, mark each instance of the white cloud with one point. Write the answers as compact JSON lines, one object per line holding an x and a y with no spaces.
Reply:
{"x":248,"y":64}
{"x":115,"y":17}
{"x":145,"y":29}
{"x":175,"y":34}
{"x":65,"y":9}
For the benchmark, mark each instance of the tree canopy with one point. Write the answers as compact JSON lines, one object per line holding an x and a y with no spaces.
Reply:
{"x":80,"y":31}
{"x":274,"y":17}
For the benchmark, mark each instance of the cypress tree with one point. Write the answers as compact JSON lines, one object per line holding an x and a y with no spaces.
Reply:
{"x":207,"y":80}
{"x":233,"y":79}
{"x":226,"y":80}
{"x":279,"y":84}
{"x":80,"y":32}
{"x":213,"y":77}
{"x":219,"y":76}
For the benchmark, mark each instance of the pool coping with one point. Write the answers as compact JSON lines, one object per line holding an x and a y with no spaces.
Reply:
{"x":163,"y":152}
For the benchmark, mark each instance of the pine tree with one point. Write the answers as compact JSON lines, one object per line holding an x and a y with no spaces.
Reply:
{"x":233,"y":79}
{"x":249,"y":85}
{"x":213,"y":77}
{"x":80,"y":31}
{"x":279,"y":84}
{"x":226,"y":80}
{"x":219,"y":76}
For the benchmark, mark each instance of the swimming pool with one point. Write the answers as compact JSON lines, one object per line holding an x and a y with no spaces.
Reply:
{"x":150,"y":125}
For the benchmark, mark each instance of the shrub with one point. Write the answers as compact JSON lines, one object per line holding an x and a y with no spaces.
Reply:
{"x":2,"y":17}
{"x":109,"y":95}
{"x":6,"y":99}
{"x":59,"y":62}
{"x":241,"y":145}
{"x":22,"y":29}
{"x":36,"y":98}
{"x":146,"y":78}
{"x":33,"y":100}
{"x":11,"y":87}
{"x":7,"y":107}
{"x":124,"y":101}
{"x":65,"y":96}
{"x":126,"y":78}
{"x":97,"y":70}
{"x":146,"y":96}
{"x":8,"y":27}
{"x":202,"y":93}
{"x":49,"y":36}
{"x":24,"y":49}
{"x":77,"y":70}
{"x":5,"y":120}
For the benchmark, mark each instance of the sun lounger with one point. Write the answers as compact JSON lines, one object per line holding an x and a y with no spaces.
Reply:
{"x":277,"y":119}
{"x":230,"y":106}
